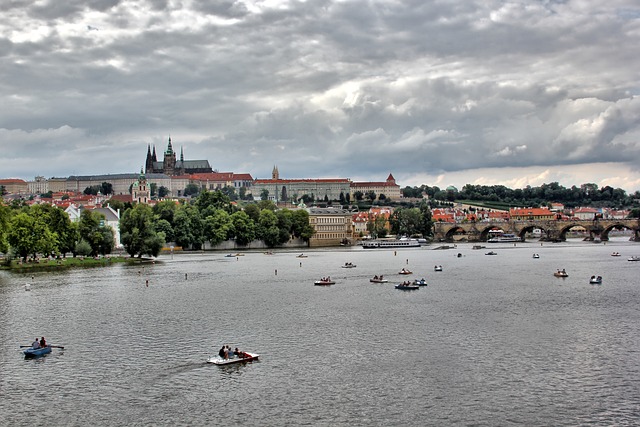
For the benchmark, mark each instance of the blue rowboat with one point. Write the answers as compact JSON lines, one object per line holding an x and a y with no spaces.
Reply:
{"x":37,"y":352}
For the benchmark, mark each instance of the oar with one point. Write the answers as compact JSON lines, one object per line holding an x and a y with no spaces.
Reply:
{"x":56,"y":346}
{"x":25,"y":346}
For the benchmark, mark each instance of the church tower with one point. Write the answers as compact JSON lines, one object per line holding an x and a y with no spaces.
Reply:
{"x":148,"y":165}
{"x":274,"y":173}
{"x":140,"y":190}
{"x":169,"y":165}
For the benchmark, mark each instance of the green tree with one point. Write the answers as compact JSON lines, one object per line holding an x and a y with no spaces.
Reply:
{"x":5,"y":214}
{"x":29,"y":234}
{"x":264,"y":194}
{"x":253,"y":211}
{"x":165,"y":209}
{"x":191,"y":190}
{"x":267,"y":229}
{"x":106,"y":188}
{"x":162,"y":225}
{"x":358,"y":195}
{"x":138,"y":233}
{"x":300,"y":226}
{"x":244,"y":229}
{"x":188,"y":228}
{"x":163,"y":191}
{"x":218,"y":227}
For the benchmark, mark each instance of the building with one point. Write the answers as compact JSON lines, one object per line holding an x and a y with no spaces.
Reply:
{"x":388,"y":188}
{"x":111,"y":218}
{"x":332,"y":226}
{"x":218,"y":180}
{"x":171,"y":166}
{"x":14,"y":186}
{"x":529,"y":214}
{"x":38,"y":186}
{"x":284,"y":190}
{"x":140,"y":191}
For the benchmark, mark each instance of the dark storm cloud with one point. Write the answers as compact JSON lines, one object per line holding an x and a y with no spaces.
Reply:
{"x":325,"y":88}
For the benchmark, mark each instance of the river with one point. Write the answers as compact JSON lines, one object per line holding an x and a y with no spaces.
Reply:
{"x":492,"y":341}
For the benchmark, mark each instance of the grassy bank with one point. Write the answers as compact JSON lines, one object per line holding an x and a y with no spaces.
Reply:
{"x":78,"y":262}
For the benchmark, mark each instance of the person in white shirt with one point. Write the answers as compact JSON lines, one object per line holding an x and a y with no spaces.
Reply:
{"x":36,"y":344}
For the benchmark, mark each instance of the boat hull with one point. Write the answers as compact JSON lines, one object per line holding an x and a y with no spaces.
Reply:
{"x":217,"y":360}
{"x":36,"y":352}
{"x":407,"y":287}
{"x":378,"y":281}
{"x":324,"y":283}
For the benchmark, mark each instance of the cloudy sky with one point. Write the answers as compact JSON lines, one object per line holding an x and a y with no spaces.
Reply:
{"x":442,"y":92}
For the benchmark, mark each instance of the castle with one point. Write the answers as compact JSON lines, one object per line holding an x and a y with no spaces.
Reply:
{"x":171,"y":166}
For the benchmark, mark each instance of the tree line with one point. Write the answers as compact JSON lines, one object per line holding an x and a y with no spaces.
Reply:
{"x":26,"y":231}
{"x":576,"y":196}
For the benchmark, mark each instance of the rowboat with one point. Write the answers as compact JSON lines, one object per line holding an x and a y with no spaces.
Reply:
{"x":217,"y":360}
{"x":37,"y":352}
{"x":378,"y":280}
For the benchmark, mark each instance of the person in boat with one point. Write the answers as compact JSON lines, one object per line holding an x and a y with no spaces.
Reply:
{"x":222,"y":352}
{"x":43,"y":342}
{"x":36,"y":343}
{"x":375,"y":277}
{"x":229,"y":352}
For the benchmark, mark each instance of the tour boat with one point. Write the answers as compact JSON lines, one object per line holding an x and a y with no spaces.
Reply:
{"x":396,"y":243}
{"x":504,"y":238}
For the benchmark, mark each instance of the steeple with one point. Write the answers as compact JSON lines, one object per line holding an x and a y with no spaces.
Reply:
{"x":169,"y":147}
{"x":274,"y":173}
{"x":181,"y":155}
{"x":153,"y":156}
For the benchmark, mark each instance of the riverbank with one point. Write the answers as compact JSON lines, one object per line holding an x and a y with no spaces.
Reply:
{"x":63,"y":263}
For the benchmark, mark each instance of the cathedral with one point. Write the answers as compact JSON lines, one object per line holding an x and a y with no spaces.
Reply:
{"x":171,"y":166}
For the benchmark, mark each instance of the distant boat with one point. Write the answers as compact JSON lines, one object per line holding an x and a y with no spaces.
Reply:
{"x":491,"y":253}
{"x":615,"y":254}
{"x":561,"y":273}
{"x":403,"y":271}
{"x":437,"y":268}
{"x":396,"y":243}
{"x":504,"y":238}
{"x":378,"y":280}
{"x":37,"y":352}
{"x":407,"y":287}
{"x":349,"y":265}
{"x":634,"y":258}
{"x":536,"y":256}
{"x":301,"y":256}
{"x":27,"y":287}
{"x":595,"y":280}
{"x":324,"y":282}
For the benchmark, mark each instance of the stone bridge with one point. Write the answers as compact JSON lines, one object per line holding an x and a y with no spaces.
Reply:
{"x":553,"y":230}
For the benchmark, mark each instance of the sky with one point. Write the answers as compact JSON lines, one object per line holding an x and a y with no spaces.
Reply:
{"x":439,"y":92}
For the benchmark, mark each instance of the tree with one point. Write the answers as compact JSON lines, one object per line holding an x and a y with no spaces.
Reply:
{"x":264,"y":194}
{"x":283,"y":194}
{"x":153,"y":189}
{"x":253,"y":211}
{"x":358,"y":196}
{"x":29,"y":234}
{"x":300,"y":226}
{"x":163,"y":191}
{"x":106,"y":188}
{"x":4,"y":221}
{"x":188,"y":227}
{"x":243,"y":228}
{"x":218,"y":227}
{"x":165,"y":209}
{"x":138,"y":233}
{"x":268,"y":229}
{"x":163,"y":226}
{"x":91,"y":229}
{"x":191,"y":190}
